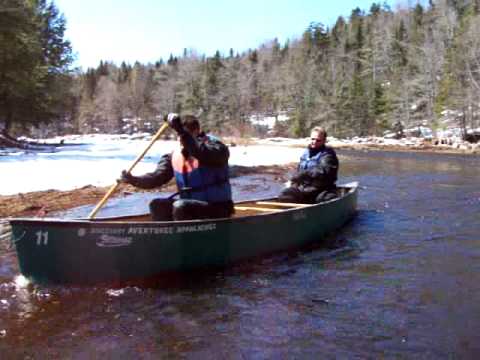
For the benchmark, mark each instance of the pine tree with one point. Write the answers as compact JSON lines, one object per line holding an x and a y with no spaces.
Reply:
{"x":380,"y":108}
{"x":34,"y":60}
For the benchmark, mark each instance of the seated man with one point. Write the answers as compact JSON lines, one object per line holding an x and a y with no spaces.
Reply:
{"x":314,"y":180}
{"x":200,"y":167}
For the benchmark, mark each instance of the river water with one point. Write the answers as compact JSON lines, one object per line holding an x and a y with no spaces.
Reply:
{"x":401,"y":280}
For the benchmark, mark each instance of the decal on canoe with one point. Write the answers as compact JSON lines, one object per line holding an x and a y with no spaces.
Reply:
{"x":42,"y":238}
{"x":115,"y":236}
{"x":150,"y":230}
{"x":168,"y":230}
{"x":107,"y":231}
{"x":195,"y":228}
{"x":113,"y":241}
{"x":300,"y":215}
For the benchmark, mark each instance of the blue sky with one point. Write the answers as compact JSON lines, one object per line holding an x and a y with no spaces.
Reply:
{"x":147,"y":30}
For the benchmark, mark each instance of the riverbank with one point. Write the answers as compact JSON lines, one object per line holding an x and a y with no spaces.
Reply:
{"x":408,"y":144}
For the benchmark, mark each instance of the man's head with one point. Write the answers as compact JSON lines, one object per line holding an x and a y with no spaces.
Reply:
{"x":191,"y":124}
{"x":318,"y":137}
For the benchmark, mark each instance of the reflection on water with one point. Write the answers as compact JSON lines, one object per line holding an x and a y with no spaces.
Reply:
{"x":401,"y":280}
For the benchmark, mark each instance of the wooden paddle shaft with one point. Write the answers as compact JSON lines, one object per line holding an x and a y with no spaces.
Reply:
{"x":137,"y":160}
{"x":256,"y":208}
{"x":279,"y":204}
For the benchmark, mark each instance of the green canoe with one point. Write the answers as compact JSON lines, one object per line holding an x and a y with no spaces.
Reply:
{"x":125,"y":249}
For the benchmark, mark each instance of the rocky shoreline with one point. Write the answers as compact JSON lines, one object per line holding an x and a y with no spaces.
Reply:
{"x":408,"y":144}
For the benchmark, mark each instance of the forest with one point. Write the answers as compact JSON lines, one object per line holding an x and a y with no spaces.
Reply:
{"x":414,"y":63}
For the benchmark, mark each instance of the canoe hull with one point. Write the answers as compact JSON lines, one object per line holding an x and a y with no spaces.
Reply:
{"x":89,"y":252}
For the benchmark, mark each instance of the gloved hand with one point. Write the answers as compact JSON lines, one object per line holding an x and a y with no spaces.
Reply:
{"x":298,"y":177}
{"x":126,"y":177}
{"x":175,"y":123}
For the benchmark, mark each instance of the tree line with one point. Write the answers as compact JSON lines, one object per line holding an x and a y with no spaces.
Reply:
{"x":417,"y":64}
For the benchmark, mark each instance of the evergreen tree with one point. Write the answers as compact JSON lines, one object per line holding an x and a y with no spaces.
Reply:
{"x":380,"y":108}
{"x":34,"y":60}
{"x":124,"y":73}
{"x":399,"y":48}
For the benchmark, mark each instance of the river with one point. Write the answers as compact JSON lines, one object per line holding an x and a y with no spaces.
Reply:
{"x":401,"y":280}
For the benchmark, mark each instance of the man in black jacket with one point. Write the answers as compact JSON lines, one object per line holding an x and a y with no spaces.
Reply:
{"x":314,"y":180}
{"x":200,"y":167}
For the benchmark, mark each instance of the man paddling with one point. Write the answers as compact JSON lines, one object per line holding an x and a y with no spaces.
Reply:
{"x":200,"y":167}
{"x":314,"y":180}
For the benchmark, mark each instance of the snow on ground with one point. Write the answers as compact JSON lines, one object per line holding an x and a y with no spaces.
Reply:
{"x":98,"y":160}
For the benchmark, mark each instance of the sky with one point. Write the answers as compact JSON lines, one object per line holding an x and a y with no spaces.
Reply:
{"x":147,"y":30}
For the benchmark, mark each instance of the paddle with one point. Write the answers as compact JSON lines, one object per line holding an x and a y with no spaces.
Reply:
{"x":139,"y":157}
